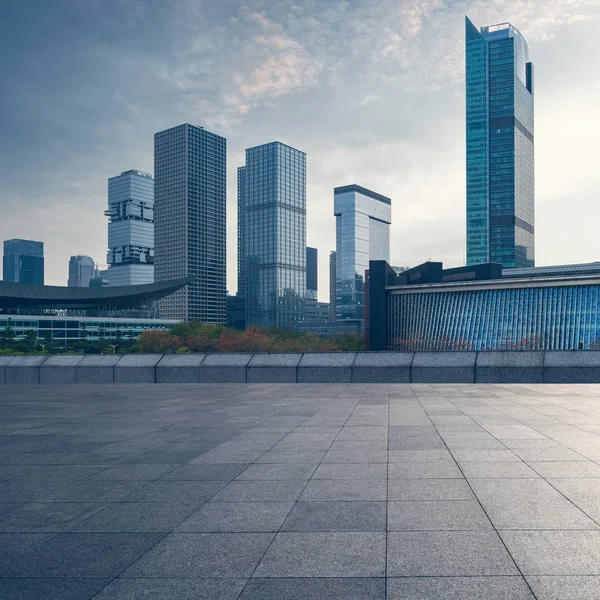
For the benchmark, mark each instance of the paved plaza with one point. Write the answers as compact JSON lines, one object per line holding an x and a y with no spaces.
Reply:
{"x":300,"y":492}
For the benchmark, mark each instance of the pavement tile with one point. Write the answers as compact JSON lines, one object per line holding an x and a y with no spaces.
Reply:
{"x":261,"y":491}
{"x":340,"y":490}
{"x":432,"y":470}
{"x":177,"y":492}
{"x":237,"y":517}
{"x":47,"y":517}
{"x":216,"y":555}
{"x":555,"y":552}
{"x":324,"y":555}
{"x":565,"y":588}
{"x":277,"y":472}
{"x":458,"y":588}
{"x":207,"y":472}
{"x":74,"y":555}
{"x":437,"y":516}
{"x":429,"y":489}
{"x":336,"y":516}
{"x":302,"y":588}
{"x":50,"y":589}
{"x":169,"y":589}
{"x":446,"y":554}
{"x":136,"y":518}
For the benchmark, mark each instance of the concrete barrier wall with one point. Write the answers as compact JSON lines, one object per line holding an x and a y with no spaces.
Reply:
{"x":342,"y":367}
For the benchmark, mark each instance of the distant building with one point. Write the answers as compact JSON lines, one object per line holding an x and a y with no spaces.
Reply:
{"x":330,"y":328}
{"x":101,"y":279}
{"x":190,"y":221}
{"x":332,"y":292}
{"x":275,"y":234}
{"x":23,"y":261}
{"x":312,"y":273}
{"x":363,"y":220}
{"x":130,"y":212}
{"x":70,"y":314}
{"x":236,"y":312}
{"x":316,"y":311}
{"x":500,"y":147}
{"x":82,"y":270}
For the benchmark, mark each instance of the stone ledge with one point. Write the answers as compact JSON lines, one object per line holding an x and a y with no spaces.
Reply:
{"x":443,"y":367}
{"x":60,"y":368}
{"x":346,"y":367}
{"x":179,"y":368}
{"x":509,"y":367}
{"x":24,"y":369}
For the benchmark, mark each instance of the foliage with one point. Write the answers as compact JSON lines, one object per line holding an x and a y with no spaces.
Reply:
{"x":198,"y":337}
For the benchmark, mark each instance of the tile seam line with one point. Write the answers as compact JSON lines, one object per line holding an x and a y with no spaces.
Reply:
{"x":541,"y":476}
{"x":477,"y":498}
{"x":238,"y":597}
{"x":208,"y":500}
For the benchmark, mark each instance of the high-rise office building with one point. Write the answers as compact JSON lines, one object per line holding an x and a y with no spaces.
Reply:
{"x":241,"y":179}
{"x":332,"y":309}
{"x":190,"y":216}
{"x":23,"y":261}
{"x":312,"y":273}
{"x":130,"y":212}
{"x":275,"y":235}
{"x":500,"y":148}
{"x":82,"y":270}
{"x":362,"y":231}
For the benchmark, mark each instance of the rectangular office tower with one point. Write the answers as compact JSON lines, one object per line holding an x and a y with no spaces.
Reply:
{"x":23,"y":261}
{"x":362,"y":233}
{"x":82,"y":270}
{"x":500,"y":148}
{"x":130,"y":212}
{"x":312,"y":273}
{"x":189,"y":221}
{"x":275,"y":235}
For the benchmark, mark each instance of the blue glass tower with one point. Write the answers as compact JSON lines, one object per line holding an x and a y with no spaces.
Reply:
{"x":274,"y":198}
{"x":23,"y":261}
{"x":500,"y":147}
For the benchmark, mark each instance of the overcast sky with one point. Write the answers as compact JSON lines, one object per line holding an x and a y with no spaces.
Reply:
{"x":372,"y":90}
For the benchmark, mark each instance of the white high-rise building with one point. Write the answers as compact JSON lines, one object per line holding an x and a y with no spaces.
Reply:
{"x":130,"y":211}
{"x":362,"y":219}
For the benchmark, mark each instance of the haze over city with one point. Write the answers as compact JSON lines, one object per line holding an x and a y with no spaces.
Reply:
{"x":372,"y":91}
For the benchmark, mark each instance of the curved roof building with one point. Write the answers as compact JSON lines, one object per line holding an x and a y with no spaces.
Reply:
{"x":48,"y":297}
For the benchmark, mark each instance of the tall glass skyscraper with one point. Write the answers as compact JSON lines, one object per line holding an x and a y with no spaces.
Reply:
{"x":312,"y":273}
{"x":23,"y":261}
{"x":130,"y":212}
{"x":362,"y":232}
{"x":190,"y":217}
{"x":500,"y":148}
{"x":275,"y":235}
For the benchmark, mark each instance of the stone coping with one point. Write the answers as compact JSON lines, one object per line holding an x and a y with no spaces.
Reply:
{"x":358,"y":367}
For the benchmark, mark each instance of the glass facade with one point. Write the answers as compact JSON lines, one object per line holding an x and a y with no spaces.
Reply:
{"x":81,"y":271}
{"x":312,"y":273}
{"x":241,"y":179}
{"x":362,"y":219}
{"x":500,"y":147}
{"x":559,"y":315}
{"x":23,"y":261}
{"x":130,"y":212}
{"x":275,"y":235}
{"x":63,"y":330}
{"x":190,"y":221}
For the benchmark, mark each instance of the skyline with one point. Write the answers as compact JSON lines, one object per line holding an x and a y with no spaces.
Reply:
{"x":353,"y":115}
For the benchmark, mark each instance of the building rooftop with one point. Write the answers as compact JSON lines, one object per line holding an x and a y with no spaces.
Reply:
{"x":361,"y":492}
{"x":361,"y":190}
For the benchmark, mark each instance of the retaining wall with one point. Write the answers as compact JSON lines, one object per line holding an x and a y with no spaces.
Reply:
{"x":342,"y":367}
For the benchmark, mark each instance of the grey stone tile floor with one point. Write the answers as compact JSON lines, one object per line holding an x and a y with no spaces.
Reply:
{"x":300,"y":492}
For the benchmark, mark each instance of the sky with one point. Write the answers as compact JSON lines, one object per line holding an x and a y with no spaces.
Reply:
{"x":371,"y":90}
